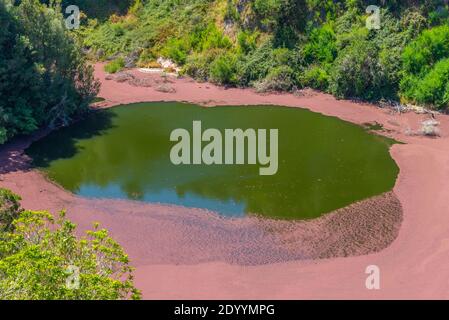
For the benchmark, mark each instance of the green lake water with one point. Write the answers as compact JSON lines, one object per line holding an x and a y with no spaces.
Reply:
{"x":124,"y":152}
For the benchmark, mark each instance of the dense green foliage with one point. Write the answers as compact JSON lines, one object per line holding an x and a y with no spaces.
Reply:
{"x":426,"y":68}
{"x":268,"y":44}
{"x":9,"y":209}
{"x":99,"y":9}
{"x":44,"y":78}
{"x":41,"y":258}
{"x":288,"y":44}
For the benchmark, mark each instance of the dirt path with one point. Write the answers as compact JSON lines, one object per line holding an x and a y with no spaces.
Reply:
{"x":167,"y":243}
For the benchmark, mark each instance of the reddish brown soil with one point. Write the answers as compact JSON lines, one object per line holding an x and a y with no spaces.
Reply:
{"x":189,"y":253}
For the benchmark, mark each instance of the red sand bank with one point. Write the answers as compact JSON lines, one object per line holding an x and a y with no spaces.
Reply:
{"x":189,"y":253}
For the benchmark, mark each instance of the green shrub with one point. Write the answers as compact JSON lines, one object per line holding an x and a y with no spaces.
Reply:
{"x":425,"y":74}
{"x":315,"y":77}
{"x":42,"y":259}
{"x":282,"y":56}
{"x":431,"y":46}
{"x":267,"y":11}
{"x":368,"y":63}
{"x":247,"y":41}
{"x":281,"y":78}
{"x":210,"y":38}
{"x":176,"y":49}
{"x":150,"y":27}
{"x":285,"y":36}
{"x":358,"y":73}
{"x":439,"y":16}
{"x":321,"y":46}
{"x":9,"y":209}
{"x":413,"y":23}
{"x":231,"y":12}
{"x":259,"y":63}
{"x":256,"y":65}
{"x":145,"y":58}
{"x":266,"y":8}
{"x":198,"y":64}
{"x":115,"y":65}
{"x":37,"y":251}
{"x":223,"y":70}
{"x":432,"y":89}
{"x":118,"y":29}
{"x":200,"y":40}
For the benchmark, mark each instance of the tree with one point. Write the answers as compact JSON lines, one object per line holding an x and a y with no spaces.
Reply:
{"x":9,"y":209}
{"x":41,"y":258}
{"x":44,"y":78}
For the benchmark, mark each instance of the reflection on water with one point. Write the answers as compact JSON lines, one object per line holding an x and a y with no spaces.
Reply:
{"x":188,"y":199}
{"x":123,"y":152}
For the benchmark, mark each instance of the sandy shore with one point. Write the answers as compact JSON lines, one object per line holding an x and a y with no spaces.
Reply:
{"x":188,"y":253}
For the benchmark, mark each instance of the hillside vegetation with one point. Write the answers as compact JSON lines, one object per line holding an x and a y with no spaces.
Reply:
{"x":44,"y":77}
{"x":289,"y":44}
{"x":271,"y":45}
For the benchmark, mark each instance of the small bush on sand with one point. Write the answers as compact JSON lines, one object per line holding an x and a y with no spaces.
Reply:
{"x":257,"y":64}
{"x":115,"y":65}
{"x":357,"y":72}
{"x":177,"y":49}
{"x":315,"y":77}
{"x":223,"y":70}
{"x":432,"y":89}
{"x":426,"y":69}
{"x":430,"y":128}
{"x":282,"y":78}
{"x":198,"y":64}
